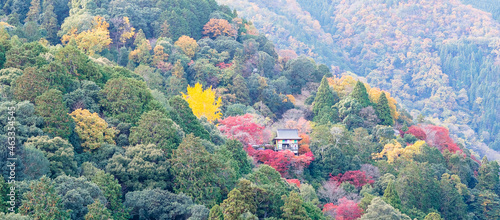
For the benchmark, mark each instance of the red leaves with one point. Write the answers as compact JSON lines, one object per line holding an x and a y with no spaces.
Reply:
{"x":417,"y":132}
{"x":346,"y":210}
{"x":281,"y":160}
{"x":294,"y":181}
{"x":223,"y":65}
{"x":440,"y":137}
{"x":356,"y":178}
{"x":243,"y":129}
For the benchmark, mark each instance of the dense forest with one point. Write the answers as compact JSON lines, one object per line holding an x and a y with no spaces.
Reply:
{"x":439,"y":58}
{"x":167,"y":109}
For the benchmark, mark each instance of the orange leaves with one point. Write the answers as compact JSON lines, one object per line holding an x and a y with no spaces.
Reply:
{"x":218,"y":27}
{"x":188,"y":45}
{"x":203,"y":102}
{"x":93,"y":40}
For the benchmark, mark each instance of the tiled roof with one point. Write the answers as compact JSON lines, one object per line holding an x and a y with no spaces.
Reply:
{"x":288,"y":134}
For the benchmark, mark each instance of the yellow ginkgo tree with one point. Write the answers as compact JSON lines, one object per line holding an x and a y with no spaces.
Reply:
{"x":92,"y":129}
{"x":203,"y":102}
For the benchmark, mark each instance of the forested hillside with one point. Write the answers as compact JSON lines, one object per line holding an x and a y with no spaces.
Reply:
{"x":439,"y":58}
{"x":167,"y":109}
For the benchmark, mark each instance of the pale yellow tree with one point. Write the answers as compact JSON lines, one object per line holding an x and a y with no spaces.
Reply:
{"x":188,"y":45}
{"x":391,"y":150}
{"x":92,"y":129}
{"x":203,"y":102}
{"x":411,"y":151}
{"x":93,"y":40}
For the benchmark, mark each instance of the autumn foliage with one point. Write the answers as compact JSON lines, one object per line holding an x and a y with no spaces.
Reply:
{"x":440,"y":137}
{"x":93,"y":40}
{"x":244,"y":129}
{"x":218,"y":27}
{"x":417,"y":132}
{"x":356,"y":178}
{"x":345,"y":210}
{"x":203,"y":102}
{"x":282,"y":161}
{"x":294,"y":181}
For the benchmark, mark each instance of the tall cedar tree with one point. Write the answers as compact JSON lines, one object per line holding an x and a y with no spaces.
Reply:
{"x":240,"y":89}
{"x":293,"y":209}
{"x":384,"y":111}
{"x":234,"y":205}
{"x":360,"y":94}
{"x":488,"y":175}
{"x":184,"y":117}
{"x":391,"y":196}
{"x":51,"y":107}
{"x":323,"y":102}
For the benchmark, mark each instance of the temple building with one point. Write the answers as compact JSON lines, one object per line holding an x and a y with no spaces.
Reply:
{"x":287,"y":139}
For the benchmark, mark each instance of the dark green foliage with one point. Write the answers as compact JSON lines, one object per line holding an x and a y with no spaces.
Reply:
{"x":240,"y":156}
{"x":348,"y":112}
{"x":199,"y":212}
{"x":141,"y":167}
{"x":298,"y":71}
{"x":271,"y":188}
{"x":383,"y":111}
{"x":417,"y":188}
{"x":43,"y":201}
{"x":59,"y":152}
{"x":110,"y":188}
{"x":158,"y":204}
{"x":76,"y":194}
{"x":323,"y":102}
{"x":488,"y":176}
{"x":199,"y":174}
{"x":359,"y":93}
{"x":293,"y":209}
{"x":452,"y":204}
{"x":486,"y":205}
{"x":78,"y":64}
{"x":26,"y":55}
{"x":51,"y":107}
{"x":4,"y":190}
{"x":313,"y":212}
{"x":155,"y":128}
{"x":391,"y":196}
{"x":240,"y":89}
{"x":85,"y":97}
{"x":27,"y":123}
{"x":125,"y":99}
{"x":184,"y":117}
{"x":35,"y":162}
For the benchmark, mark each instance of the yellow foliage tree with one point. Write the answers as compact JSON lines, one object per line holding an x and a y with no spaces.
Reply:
{"x":291,"y":98}
{"x":92,"y":129}
{"x":374,"y":94}
{"x":411,"y":151}
{"x":188,"y":45}
{"x":142,"y":53}
{"x":218,"y":27}
{"x":343,"y":86}
{"x":127,"y":30}
{"x":159,"y":57}
{"x":391,"y":151}
{"x":93,"y":40}
{"x":203,"y":102}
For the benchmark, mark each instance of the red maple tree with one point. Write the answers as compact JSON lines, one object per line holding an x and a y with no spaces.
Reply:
{"x":356,"y":178}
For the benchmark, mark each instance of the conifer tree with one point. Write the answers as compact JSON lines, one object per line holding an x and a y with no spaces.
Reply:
{"x":360,"y":94}
{"x":293,"y":209}
{"x":384,"y":111}
{"x":34,"y":12}
{"x":42,"y":201}
{"x":391,"y":196}
{"x":240,"y":89}
{"x":323,"y":102}
{"x":97,"y":211}
{"x":234,"y":205}
{"x":184,"y":117}
{"x":488,"y":178}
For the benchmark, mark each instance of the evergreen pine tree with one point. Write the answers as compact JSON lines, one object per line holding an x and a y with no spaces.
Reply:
{"x":34,"y":12}
{"x":216,"y":213}
{"x":325,"y":99}
{"x":384,"y":111}
{"x":240,"y":89}
{"x":49,"y":22}
{"x":391,"y":196}
{"x":360,"y":94}
{"x":293,"y":209}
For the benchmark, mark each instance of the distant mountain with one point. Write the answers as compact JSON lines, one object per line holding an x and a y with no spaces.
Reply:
{"x":441,"y":59}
